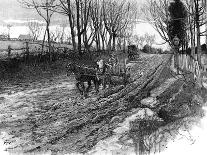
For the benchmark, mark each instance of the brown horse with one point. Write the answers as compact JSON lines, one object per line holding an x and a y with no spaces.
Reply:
{"x":84,"y":74}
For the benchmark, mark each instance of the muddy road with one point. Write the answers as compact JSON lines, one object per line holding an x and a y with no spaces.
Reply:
{"x":37,"y":116}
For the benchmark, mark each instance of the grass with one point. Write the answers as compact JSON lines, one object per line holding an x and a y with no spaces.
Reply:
{"x":26,"y":74}
{"x":14,"y":45}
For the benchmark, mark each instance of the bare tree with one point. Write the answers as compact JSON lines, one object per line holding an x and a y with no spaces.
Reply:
{"x":199,"y":14}
{"x":59,"y":34}
{"x":67,"y":7}
{"x":35,"y":29}
{"x":139,"y":40}
{"x":45,"y":9}
{"x":56,"y":34}
{"x":205,"y":16}
{"x":96,"y":15}
{"x":191,"y":30}
{"x":78,"y":16}
{"x":156,"y":12}
{"x":149,"y":39}
{"x":82,"y":18}
{"x":88,"y":36}
{"x":197,"y":19}
{"x":117,"y":16}
{"x":199,"y":10}
{"x":62,"y":36}
{"x":9,"y":28}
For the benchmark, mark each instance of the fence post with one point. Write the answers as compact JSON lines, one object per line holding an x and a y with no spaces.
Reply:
{"x":138,"y":136}
{"x":27,"y":51}
{"x":9,"y":51}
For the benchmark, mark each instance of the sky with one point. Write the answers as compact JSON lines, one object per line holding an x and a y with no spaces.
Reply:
{"x":12,"y":9}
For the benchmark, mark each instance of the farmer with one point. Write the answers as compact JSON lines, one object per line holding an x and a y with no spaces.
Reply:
{"x":113,"y":60}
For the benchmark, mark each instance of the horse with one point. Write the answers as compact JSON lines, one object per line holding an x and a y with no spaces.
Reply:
{"x":84,"y":74}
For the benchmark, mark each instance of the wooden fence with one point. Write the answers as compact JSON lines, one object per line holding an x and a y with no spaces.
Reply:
{"x":189,"y":63}
{"x":31,"y":48}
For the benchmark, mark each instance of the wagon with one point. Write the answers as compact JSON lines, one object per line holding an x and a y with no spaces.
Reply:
{"x":116,"y":75}
{"x":132,"y":52}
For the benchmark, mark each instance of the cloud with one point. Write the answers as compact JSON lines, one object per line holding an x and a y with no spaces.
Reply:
{"x":16,"y":21}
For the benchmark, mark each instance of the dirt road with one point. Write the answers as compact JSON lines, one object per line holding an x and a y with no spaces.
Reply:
{"x":32,"y":113}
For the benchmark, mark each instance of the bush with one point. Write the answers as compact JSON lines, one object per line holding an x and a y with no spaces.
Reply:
{"x":146,"y":49}
{"x":150,"y":50}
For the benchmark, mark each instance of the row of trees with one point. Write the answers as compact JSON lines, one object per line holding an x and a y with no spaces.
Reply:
{"x":141,"y":40}
{"x":183,"y":19}
{"x":60,"y":34}
{"x":102,"y":23}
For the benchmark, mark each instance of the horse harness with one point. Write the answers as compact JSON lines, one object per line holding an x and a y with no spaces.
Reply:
{"x":78,"y":70}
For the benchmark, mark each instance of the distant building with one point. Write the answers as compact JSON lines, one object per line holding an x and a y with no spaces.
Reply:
{"x":24,"y":37}
{"x":3,"y":37}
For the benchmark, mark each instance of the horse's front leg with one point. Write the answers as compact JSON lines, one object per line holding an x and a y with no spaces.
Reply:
{"x":96,"y":83}
{"x":78,"y":86}
{"x":89,"y":86}
{"x":104,"y":82}
{"x":84,"y":89}
{"x":110,"y":82}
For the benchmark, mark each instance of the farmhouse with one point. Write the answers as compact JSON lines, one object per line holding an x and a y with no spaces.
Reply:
{"x":24,"y":37}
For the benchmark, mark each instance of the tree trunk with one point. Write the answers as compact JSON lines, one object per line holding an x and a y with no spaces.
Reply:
{"x":87,"y":45}
{"x":49,"y":42}
{"x":43,"y":42}
{"x":73,"y":37}
{"x":124,"y":44}
{"x":197,"y":24}
{"x":79,"y":44}
{"x":114,"y":42}
{"x":176,"y":59}
{"x":71,"y":25}
{"x":109,"y":43}
{"x":206,"y":31}
{"x":198,"y":46}
{"x":103,"y":41}
{"x":48,"y":31}
{"x":205,"y":16}
{"x":78,"y":27}
{"x":97,"y":41}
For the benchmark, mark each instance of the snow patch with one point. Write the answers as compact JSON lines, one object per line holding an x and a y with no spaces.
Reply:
{"x":141,"y":114}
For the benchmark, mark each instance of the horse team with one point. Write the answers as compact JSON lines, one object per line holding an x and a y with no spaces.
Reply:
{"x":100,"y":74}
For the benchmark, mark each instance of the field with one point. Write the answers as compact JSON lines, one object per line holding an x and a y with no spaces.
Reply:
{"x":18,"y":47}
